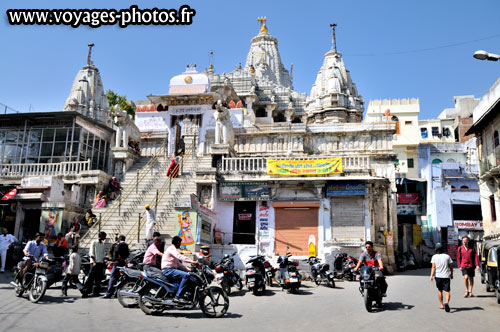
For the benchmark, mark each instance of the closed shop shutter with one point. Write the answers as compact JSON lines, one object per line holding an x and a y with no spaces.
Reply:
{"x":293,"y":226}
{"x":348,"y":219}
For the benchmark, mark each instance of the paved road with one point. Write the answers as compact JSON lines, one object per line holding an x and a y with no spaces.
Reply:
{"x":411,"y":305}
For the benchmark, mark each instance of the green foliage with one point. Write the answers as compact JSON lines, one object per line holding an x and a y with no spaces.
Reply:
{"x":114,"y":99}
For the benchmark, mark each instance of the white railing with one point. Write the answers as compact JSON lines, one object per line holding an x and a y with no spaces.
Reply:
{"x":259,"y":165}
{"x":62,"y":168}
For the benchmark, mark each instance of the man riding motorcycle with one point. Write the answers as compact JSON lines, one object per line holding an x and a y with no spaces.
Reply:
{"x":372,"y":258}
{"x":33,"y":251}
{"x":174,"y":270}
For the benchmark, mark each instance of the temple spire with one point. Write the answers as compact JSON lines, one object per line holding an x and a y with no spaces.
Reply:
{"x":89,"y":62}
{"x":334,"y":42}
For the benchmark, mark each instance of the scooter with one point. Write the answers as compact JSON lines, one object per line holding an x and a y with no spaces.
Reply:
{"x":290,"y":278}
{"x":321,"y":272}
{"x":254,"y":275}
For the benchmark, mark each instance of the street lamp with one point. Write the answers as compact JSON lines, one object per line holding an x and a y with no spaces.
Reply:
{"x":483,"y":55}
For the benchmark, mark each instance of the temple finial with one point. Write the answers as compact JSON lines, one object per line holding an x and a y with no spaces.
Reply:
{"x":89,"y":62}
{"x":334,"y":42}
{"x":263,"y":27}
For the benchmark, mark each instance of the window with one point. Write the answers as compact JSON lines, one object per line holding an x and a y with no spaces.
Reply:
{"x":464,"y":187}
{"x":495,"y":139}
{"x":437,"y":161}
{"x":423,"y":132}
{"x":493,"y":211}
{"x":395,"y":119}
{"x":410,"y":163}
{"x":408,"y":123}
{"x":435,"y":131}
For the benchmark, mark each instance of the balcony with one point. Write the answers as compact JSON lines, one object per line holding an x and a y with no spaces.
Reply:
{"x":49,"y":169}
{"x":259,"y":165}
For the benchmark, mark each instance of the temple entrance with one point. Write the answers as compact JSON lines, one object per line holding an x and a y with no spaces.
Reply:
{"x":186,"y":127}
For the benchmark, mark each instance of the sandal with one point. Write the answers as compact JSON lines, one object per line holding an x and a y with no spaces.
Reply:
{"x":470,"y":294}
{"x":466,"y":294}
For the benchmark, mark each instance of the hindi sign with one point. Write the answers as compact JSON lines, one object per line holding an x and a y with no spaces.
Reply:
{"x":343,"y":188}
{"x":304,"y":167}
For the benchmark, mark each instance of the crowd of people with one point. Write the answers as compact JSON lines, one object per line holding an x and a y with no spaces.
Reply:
{"x":104,"y":196}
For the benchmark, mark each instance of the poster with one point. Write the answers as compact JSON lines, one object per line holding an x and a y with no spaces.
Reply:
{"x":304,"y":167}
{"x":263,"y":221}
{"x":50,"y":225}
{"x":185,"y":228}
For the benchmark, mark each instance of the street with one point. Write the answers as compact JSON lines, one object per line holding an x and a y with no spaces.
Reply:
{"x":411,"y":305}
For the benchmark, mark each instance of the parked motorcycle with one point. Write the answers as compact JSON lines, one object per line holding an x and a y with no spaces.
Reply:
{"x":290,"y":278}
{"x":270,"y":273}
{"x":157,"y":294}
{"x":38,"y":278}
{"x":343,"y":267}
{"x":369,"y":288}
{"x":321,"y":272}
{"x":226,"y":275}
{"x":255,"y":275}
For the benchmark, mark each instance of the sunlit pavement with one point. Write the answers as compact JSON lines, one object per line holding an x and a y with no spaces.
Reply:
{"x":411,"y":305}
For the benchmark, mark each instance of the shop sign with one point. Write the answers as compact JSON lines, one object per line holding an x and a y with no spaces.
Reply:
{"x":263,"y":221}
{"x":417,"y":235}
{"x":304,"y":167}
{"x":390,"y":241}
{"x":469,"y":224}
{"x":187,"y":110}
{"x":245,"y":216}
{"x":452,"y":235}
{"x":10,"y":195}
{"x":404,"y":209}
{"x":40,"y":181}
{"x":243,"y":191}
{"x":346,"y":188}
{"x":408,"y":198}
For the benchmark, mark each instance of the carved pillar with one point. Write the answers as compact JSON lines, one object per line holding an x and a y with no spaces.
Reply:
{"x":118,"y":137}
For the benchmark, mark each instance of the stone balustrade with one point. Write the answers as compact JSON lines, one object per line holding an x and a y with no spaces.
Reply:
{"x":49,"y":169}
{"x":259,"y":165}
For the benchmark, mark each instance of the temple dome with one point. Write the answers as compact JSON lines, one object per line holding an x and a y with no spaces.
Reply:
{"x":189,"y":82}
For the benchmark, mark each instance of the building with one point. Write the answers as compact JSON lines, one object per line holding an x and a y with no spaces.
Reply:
{"x":284,"y":169}
{"x":54,"y":162}
{"x":485,"y":127}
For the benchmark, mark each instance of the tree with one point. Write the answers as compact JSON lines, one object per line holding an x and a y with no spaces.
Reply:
{"x":114,"y":99}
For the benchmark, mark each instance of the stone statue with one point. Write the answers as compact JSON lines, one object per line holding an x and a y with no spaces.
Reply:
{"x":223,"y":126}
{"x":121,"y":118}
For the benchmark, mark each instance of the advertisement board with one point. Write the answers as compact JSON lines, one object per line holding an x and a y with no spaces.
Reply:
{"x":345,"y":188}
{"x":50,"y":225}
{"x":243,"y":191}
{"x":309,"y":167}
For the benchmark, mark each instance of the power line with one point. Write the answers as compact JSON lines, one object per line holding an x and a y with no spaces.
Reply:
{"x":426,"y":49}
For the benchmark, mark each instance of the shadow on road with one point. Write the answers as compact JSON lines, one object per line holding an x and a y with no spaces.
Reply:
{"x":465,"y":309}
{"x":47,"y":299}
{"x":238,"y":293}
{"x":198,"y":315}
{"x":484,"y":296}
{"x":396,"y":306}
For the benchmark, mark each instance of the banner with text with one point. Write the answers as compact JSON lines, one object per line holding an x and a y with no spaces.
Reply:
{"x":304,"y":167}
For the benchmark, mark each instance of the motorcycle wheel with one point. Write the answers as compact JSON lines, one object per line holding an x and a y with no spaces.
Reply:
{"x":331,"y":283}
{"x":19,"y":290}
{"x":498,"y":296}
{"x":225,"y":287}
{"x":293,"y":289}
{"x":317,"y":281}
{"x":239,"y":285}
{"x":259,"y":290}
{"x":213,"y":302}
{"x":127,"y":301}
{"x":37,"y":290}
{"x":488,"y":287}
{"x":147,"y":307}
{"x":368,"y":301}
{"x":353,"y":277}
{"x":269,"y":281}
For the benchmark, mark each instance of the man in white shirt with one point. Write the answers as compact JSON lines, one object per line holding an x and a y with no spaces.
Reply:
{"x":442,"y":269}
{"x":6,"y":241}
{"x":150,"y":221}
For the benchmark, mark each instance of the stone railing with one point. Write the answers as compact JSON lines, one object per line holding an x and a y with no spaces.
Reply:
{"x":51,"y":169}
{"x":259,"y":165}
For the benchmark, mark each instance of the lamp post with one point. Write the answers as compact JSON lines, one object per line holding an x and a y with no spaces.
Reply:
{"x":483,"y":55}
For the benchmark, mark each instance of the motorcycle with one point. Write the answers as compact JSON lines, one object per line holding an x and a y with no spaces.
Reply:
{"x":254,"y":275}
{"x":369,"y":288}
{"x":343,"y":267}
{"x":37,"y":278}
{"x":270,"y":273}
{"x":290,"y":278}
{"x":321,"y":272}
{"x":226,"y":275}
{"x":127,"y":287}
{"x":157,"y":294}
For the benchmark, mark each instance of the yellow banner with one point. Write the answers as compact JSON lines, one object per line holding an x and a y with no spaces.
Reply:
{"x":304,"y":167}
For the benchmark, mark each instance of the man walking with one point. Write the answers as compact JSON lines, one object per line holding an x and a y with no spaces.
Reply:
{"x":150,"y":221}
{"x":6,"y":241}
{"x":467,"y":261}
{"x":97,"y":254}
{"x":120,"y":254}
{"x":442,"y":270}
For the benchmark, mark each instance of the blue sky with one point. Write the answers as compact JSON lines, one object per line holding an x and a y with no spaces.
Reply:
{"x":381,"y":42}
